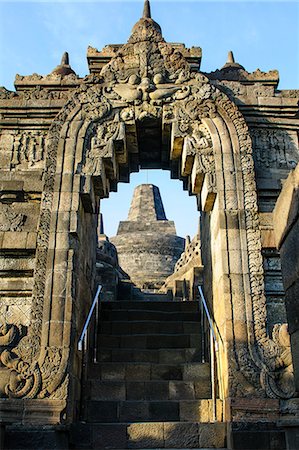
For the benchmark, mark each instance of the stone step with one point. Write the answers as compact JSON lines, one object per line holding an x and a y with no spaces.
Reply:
{"x":148,"y":314}
{"x":151,"y":411}
{"x":149,"y":390}
{"x":163,"y":306}
{"x":149,"y":435}
{"x":149,"y":327}
{"x":162,"y":356}
{"x":150,"y":341}
{"x":147,"y":372}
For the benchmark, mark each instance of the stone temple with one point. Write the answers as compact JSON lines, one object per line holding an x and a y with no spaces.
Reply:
{"x":212,"y":359}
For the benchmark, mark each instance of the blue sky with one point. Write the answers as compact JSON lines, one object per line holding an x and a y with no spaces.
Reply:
{"x":263,"y":34}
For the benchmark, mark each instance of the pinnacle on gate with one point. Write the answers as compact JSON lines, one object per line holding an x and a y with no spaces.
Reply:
{"x":64,"y":67}
{"x":147,"y":10}
{"x":231,"y":64}
{"x":230,"y":57}
{"x":65,"y":59}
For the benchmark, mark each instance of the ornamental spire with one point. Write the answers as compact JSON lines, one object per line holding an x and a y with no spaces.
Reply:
{"x":147,"y":10}
{"x":230,"y":58}
{"x":65,"y":59}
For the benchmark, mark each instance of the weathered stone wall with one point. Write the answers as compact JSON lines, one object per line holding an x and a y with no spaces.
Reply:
{"x":286,"y":225}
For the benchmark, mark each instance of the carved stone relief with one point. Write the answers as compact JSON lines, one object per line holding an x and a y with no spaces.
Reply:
{"x":10,"y":220}
{"x":140,"y":82}
{"x":274,"y":149}
{"x":28,"y":148}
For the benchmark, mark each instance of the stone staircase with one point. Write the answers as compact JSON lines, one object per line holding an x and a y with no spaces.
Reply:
{"x":149,"y":388}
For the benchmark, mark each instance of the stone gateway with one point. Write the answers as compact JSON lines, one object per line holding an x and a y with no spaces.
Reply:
{"x":213,"y":371}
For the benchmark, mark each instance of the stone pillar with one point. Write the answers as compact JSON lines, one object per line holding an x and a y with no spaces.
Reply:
{"x":286,"y":226}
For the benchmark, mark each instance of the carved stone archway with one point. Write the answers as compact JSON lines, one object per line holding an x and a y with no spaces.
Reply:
{"x":91,"y":146}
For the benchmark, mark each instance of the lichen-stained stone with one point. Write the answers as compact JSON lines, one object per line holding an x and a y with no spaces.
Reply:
{"x":211,"y":435}
{"x":181,"y":390}
{"x":145,"y":435}
{"x":181,"y":435}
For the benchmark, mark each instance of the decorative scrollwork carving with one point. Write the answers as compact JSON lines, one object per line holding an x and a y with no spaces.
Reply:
{"x":280,"y":383}
{"x":25,"y":379}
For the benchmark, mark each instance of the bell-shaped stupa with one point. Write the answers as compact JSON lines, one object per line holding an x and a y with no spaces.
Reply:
{"x":147,"y":245}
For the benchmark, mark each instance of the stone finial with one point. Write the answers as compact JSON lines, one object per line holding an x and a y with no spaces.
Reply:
{"x":230,"y":63}
{"x":230,"y":58}
{"x":146,"y":29}
{"x":147,"y":10}
{"x":64,"y":67}
{"x":146,"y":204}
{"x":65,"y":59}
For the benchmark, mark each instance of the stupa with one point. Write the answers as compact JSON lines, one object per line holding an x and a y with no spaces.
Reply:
{"x":147,"y":244}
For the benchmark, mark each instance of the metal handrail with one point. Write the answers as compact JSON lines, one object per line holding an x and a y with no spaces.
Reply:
{"x":209,"y":318}
{"x":84,"y":331}
{"x":214,"y":349}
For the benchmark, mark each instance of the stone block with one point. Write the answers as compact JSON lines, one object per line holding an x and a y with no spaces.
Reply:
{"x":165,"y":372}
{"x":131,"y":411}
{"x":195,"y":411}
{"x":212,"y":435}
{"x":160,"y":410}
{"x":109,"y":436}
{"x":109,"y":341}
{"x":81,"y":432}
{"x":145,"y":435}
{"x":108,"y":390}
{"x":202,"y":389}
{"x":172,"y":356}
{"x":122,"y":355}
{"x":133,"y":341}
{"x":289,"y":256}
{"x":156,"y":390}
{"x":104,"y":355}
{"x":135,"y":390}
{"x":102,"y":411}
{"x":179,"y":390}
{"x":181,"y":435}
{"x":286,"y":208}
{"x":19,"y":438}
{"x":196,"y":372}
{"x":191,"y":327}
{"x":193,"y":355}
{"x":151,"y":356}
{"x":139,"y":372}
{"x":14,"y":240}
{"x":169,"y":341}
{"x":259,"y":440}
{"x":112,"y":371}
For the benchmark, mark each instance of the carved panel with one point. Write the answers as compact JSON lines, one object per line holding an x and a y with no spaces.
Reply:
{"x":28,"y":150}
{"x":274,"y":149}
{"x":10,"y":220}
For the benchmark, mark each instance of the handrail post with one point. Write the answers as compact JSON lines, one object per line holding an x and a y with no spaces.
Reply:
{"x":213,"y":350}
{"x":95,"y":350}
{"x":203,"y":341}
{"x":213,"y":380}
{"x":87,"y":321}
